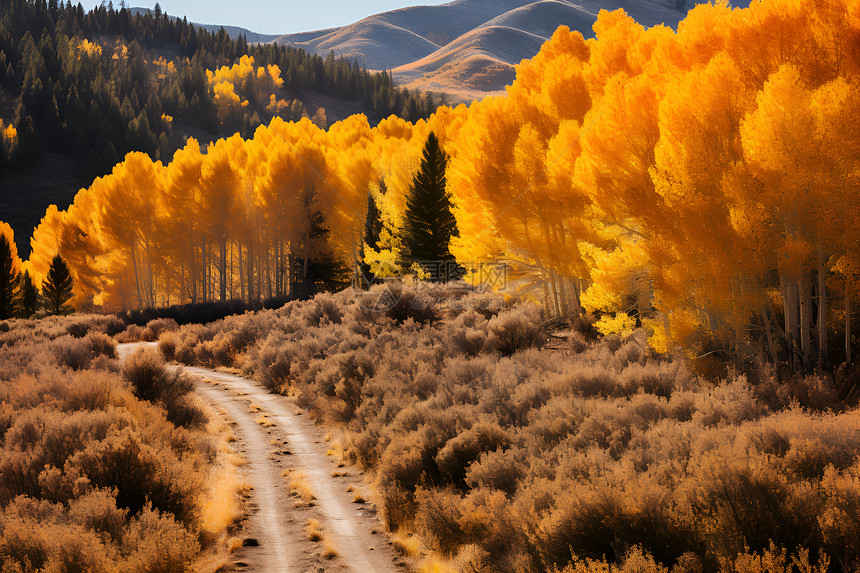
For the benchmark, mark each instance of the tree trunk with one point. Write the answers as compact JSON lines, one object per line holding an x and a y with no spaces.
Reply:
{"x":805,"y":320}
{"x":574,"y":286}
{"x":774,"y":355}
{"x":823,"y":355}
{"x":241,"y":274}
{"x":205,"y":268}
{"x":193,"y":272}
{"x":222,"y":270}
{"x":150,"y":275}
{"x":546,"y":300}
{"x":562,"y":297}
{"x":136,"y":278}
{"x":847,"y":320}
{"x":667,"y":329}
{"x":789,"y":309}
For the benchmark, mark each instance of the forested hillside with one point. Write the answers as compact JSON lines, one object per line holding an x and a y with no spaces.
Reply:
{"x":96,"y":85}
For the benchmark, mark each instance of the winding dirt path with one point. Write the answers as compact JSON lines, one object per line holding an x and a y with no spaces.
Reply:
{"x":275,"y":438}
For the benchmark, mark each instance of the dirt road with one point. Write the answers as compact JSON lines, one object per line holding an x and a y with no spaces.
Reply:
{"x":279,"y":442}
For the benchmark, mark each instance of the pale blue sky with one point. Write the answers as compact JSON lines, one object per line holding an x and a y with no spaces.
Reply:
{"x":273,"y":16}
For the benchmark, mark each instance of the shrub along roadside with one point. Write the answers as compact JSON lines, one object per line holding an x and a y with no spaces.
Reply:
{"x":513,"y":457}
{"x":95,"y":476}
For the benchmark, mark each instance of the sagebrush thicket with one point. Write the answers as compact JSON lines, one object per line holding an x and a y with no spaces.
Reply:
{"x":506,"y":455}
{"x":103,"y":467}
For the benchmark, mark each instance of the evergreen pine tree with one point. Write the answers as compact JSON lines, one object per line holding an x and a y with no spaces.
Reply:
{"x":57,"y":289}
{"x":372,"y":231}
{"x":325,"y":272}
{"x":28,"y":295}
{"x":8,"y":279}
{"x":429,"y":223}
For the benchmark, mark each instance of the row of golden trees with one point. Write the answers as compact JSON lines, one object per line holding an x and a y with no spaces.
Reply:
{"x":702,"y":181}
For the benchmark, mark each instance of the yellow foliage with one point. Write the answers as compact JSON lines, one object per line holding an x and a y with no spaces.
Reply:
{"x":9,"y":135}
{"x":621,"y":323}
{"x":87,"y":48}
{"x":7,"y":232}
{"x":698,"y":174}
{"x":164,"y":68}
{"x":235,"y":87}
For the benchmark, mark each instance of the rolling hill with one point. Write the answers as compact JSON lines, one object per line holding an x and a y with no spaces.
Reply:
{"x":469,"y":48}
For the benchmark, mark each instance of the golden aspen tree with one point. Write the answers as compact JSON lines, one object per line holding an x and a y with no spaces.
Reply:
{"x":699,"y":142}
{"x":182,"y":236}
{"x":127,"y":203}
{"x":219,"y":184}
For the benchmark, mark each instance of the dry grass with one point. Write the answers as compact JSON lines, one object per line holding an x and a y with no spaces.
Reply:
{"x":439,"y":565}
{"x":299,"y":485}
{"x":359,"y":497}
{"x":264,"y":420}
{"x":223,"y":507}
{"x":329,"y":550}
{"x":313,"y":531}
{"x":233,"y":544}
{"x":407,"y":544}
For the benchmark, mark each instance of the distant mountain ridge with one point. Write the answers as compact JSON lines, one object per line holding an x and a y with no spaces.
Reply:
{"x":470,"y":48}
{"x":232,"y":31}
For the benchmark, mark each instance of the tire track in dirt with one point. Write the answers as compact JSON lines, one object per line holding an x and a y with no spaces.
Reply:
{"x":290,"y":440}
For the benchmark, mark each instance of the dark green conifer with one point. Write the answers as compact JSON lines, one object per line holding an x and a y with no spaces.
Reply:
{"x":57,"y":290}
{"x":429,"y":223}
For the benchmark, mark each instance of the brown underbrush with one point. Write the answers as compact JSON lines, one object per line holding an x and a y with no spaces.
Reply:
{"x":504,"y":455}
{"x":102,"y":467}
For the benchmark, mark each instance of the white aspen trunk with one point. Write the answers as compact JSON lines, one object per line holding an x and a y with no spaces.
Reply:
{"x":307,"y":248}
{"x":573,"y":285}
{"x":823,"y":355}
{"x":847,"y":320}
{"x":667,"y":328}
{"x":562,"y":296}
{"x":204,"y":259}
{"x":789,"y":309}
{"x":554,"y":290}
{"x":150,"y":275}
{"x":222,"y":270}
{"x":136,"y":278}
{"x":774,"y":355}
{"x":546,"y":300}
{"x":260,"y":254}
{"x":241,"y":274}
{"x":804,"y":288}
{"x":269,"y":274}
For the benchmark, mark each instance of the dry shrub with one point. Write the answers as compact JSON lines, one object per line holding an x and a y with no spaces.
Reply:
{"x":516,"y":329}
{"x":135,"y":333}
{"x":411,"y":305}
{"x":73,"y":353}
{"x":603,"y":456}
{"x":92,"y":478}
{"x":167,"y":346}
{"x":464,"y":449}
{"x":101,"y":345}
{"x":161,"y":325}
{"x":154,"y":381}
{"x":80,"y":326}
